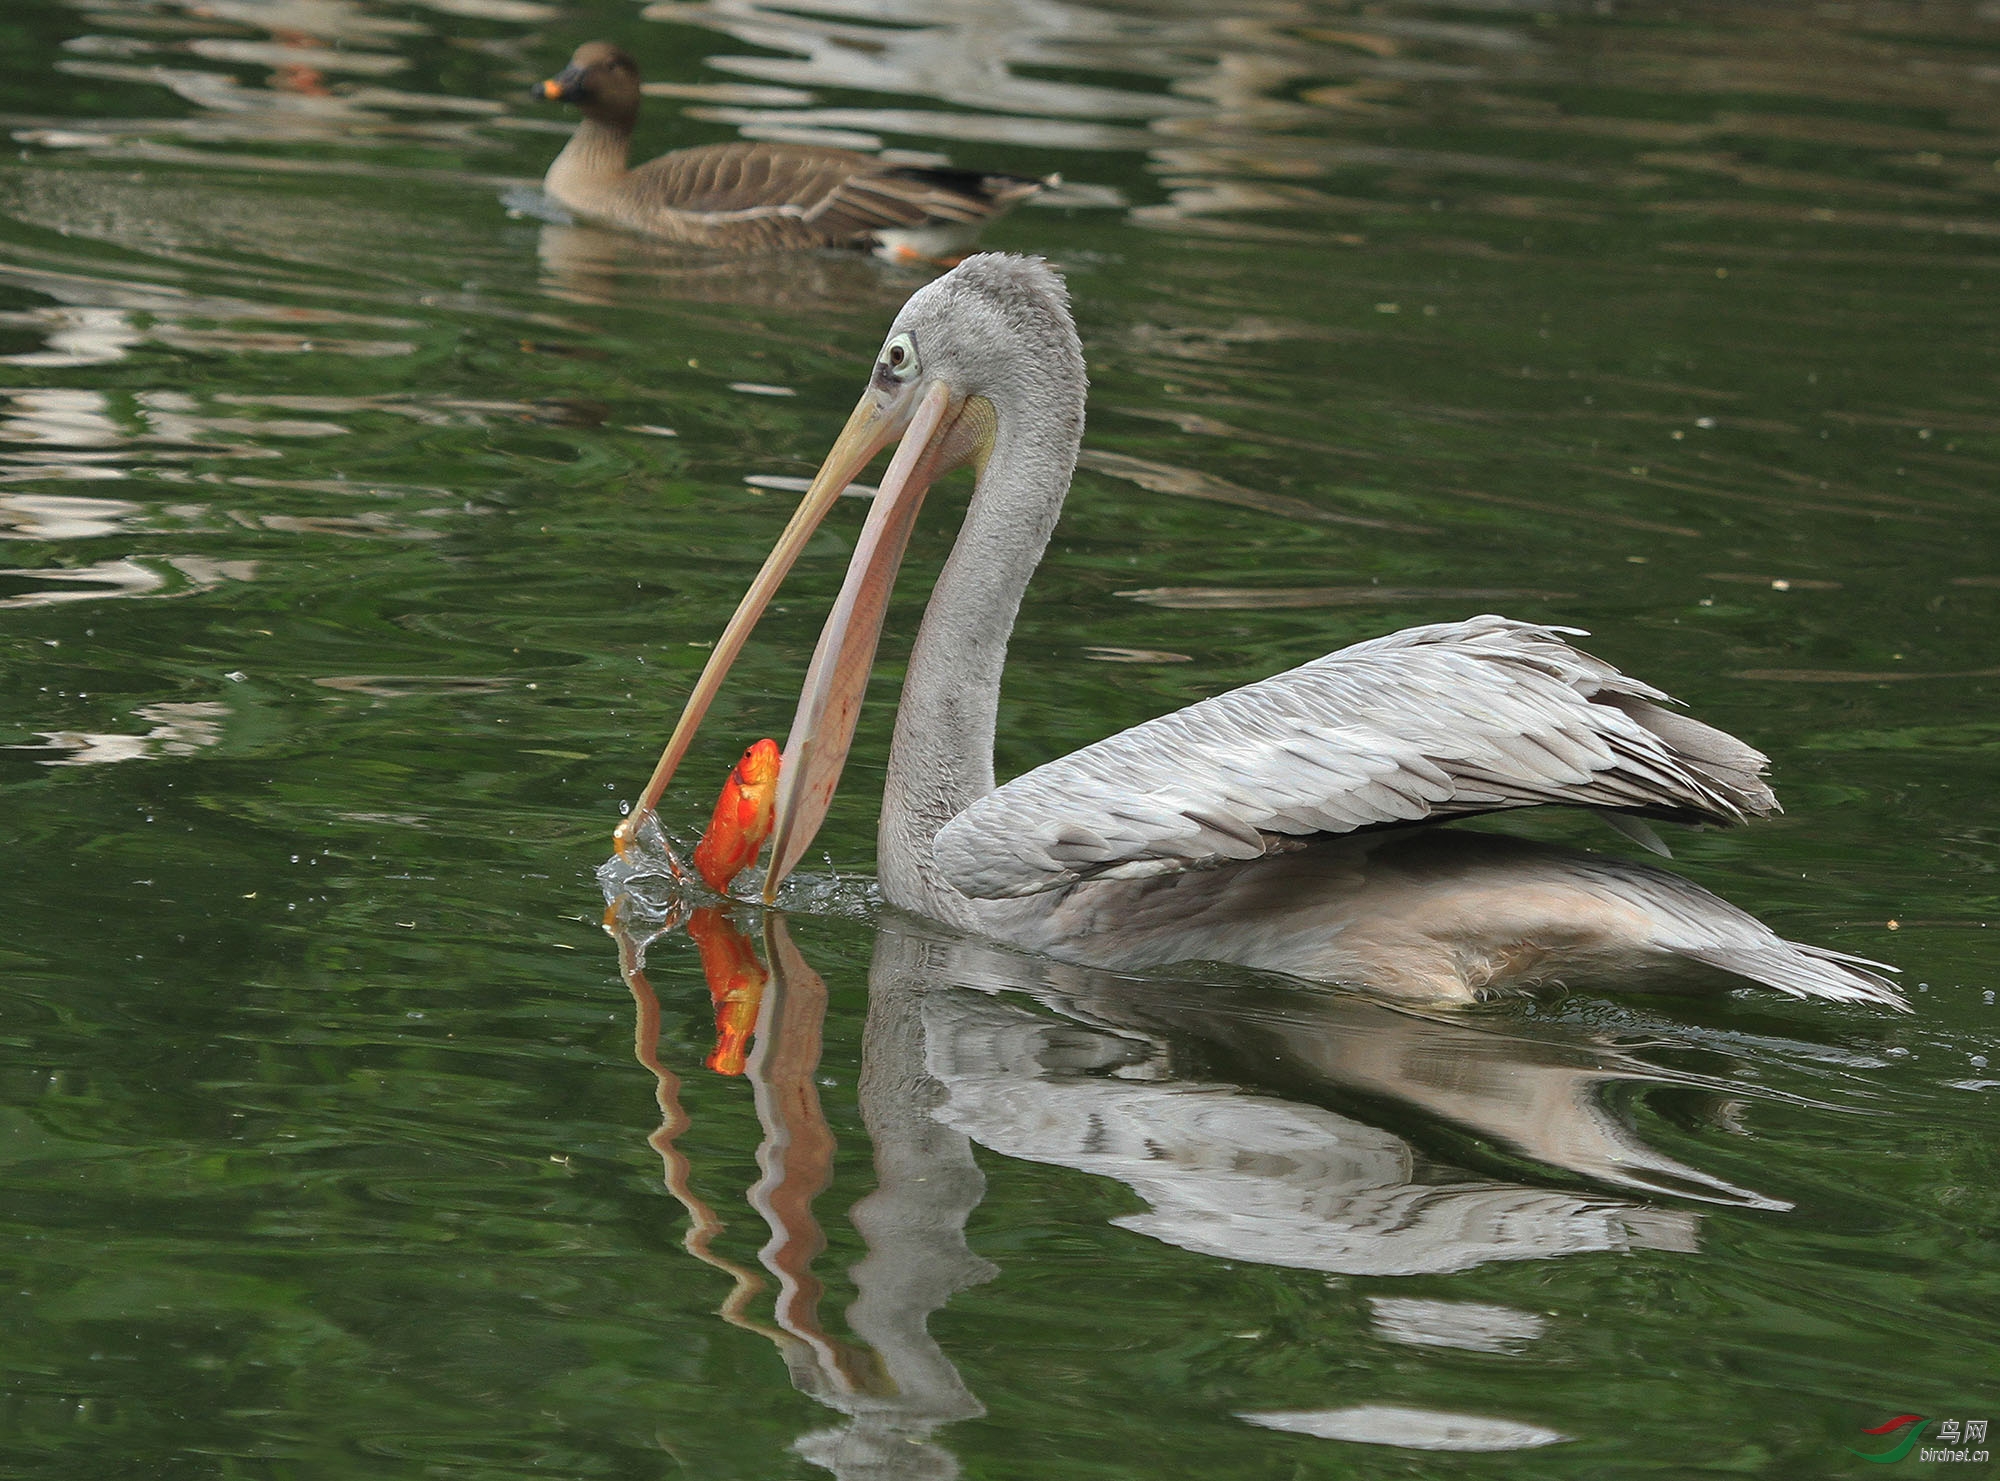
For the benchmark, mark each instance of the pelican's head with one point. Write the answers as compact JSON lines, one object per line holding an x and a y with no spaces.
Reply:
{"x":986,"y":340}
{"x":988,"y":350}
{"x":601,"y":80}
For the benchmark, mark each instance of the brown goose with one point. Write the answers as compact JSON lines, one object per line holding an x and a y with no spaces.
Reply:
{"x":756,"y":195}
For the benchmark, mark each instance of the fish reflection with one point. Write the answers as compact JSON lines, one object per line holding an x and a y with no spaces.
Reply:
{"x":1253,"y":1119}
{"x":736,"y":983}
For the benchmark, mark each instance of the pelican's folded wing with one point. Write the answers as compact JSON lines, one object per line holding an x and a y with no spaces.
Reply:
{"x":1432,"y":722}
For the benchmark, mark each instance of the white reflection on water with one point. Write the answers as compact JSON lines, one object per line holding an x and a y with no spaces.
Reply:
{"x":102,"y":320}
{"x":61,"y":416}
{"x":134,"y":576}
{"x":76,"y":336}
{"x":124,"y":578}
{"x":960,"y":51}
{"x":178,"y":729}
{"x":70,"y":433}
{"x":64,"y":517}
{"x":1473,"y":1326}
{"x":1408,"y":1428}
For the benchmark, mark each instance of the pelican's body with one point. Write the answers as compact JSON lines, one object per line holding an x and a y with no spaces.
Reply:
{"x":1436,"y":915}
{"x":1267,"y":826}
{"x":755,"y":195}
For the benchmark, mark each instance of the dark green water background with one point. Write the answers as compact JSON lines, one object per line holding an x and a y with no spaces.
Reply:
{"x":351,"y":579}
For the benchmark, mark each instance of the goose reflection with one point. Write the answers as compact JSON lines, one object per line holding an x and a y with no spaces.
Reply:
{"x":594,"y":265}
{"x":1252,"y":1118}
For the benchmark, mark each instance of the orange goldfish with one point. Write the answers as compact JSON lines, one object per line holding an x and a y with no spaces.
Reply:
{"x":742,"y":818}
{"x":735,"y":983}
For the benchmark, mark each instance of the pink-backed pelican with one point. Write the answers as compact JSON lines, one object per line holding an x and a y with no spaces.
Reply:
{"x":1270,"y":826}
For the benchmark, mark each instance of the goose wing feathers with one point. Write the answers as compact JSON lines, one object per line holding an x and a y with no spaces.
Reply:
{"x":836,"y":195}
{"x":1432,"y":722}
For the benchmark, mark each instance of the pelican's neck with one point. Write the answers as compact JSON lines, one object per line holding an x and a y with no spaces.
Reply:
{"x":941,"y":759}
{"x":593,"y":161}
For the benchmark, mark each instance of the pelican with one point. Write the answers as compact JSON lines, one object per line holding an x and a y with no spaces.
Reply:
{"x":754,"y":194}
{"x":1270,"y":826}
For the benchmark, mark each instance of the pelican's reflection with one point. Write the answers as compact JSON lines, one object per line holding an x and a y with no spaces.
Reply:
{"x":1252,"y":1119}
{"x":894,"y":1383}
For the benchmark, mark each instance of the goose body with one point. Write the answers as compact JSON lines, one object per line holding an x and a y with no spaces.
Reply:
{"x":1282,"y":826}
{"x":755,"y":195}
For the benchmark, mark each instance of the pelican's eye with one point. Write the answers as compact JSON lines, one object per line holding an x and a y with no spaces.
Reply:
{"x":899,"y":357}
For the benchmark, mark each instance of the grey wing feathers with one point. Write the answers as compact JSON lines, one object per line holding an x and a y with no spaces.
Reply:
{"x":1431,"y":722}
{"x":795,"y":195}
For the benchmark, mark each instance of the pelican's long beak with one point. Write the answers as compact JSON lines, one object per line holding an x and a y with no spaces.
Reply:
{"x":938,"y":439}
{"x":876,"y":421}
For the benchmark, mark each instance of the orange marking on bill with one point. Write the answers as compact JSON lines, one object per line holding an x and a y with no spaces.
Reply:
{"x":742,"y":818}
{"x":736,"y":982}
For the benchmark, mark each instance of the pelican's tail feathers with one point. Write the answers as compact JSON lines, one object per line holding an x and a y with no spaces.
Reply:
{"x":1733,"y":770}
